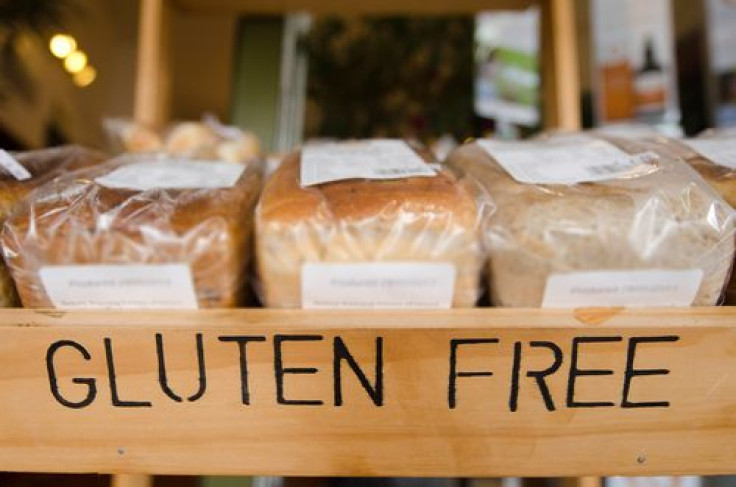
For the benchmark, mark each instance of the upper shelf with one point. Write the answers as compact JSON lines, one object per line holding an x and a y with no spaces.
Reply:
{"x":386,"y":7}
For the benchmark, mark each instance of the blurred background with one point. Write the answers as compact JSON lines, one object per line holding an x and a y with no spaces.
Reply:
{"x":65,"y":65}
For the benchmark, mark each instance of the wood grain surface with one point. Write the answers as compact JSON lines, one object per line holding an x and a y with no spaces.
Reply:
{"x":461,"y":393}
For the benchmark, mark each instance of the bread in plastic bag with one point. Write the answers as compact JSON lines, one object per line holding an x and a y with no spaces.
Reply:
{"x":206,"y":140}
{"x":37,"y":167}
{"x":147,"y":211}
{"x":371,"y":221}
{"x":660,"y":215}
{"x":713,"y":156}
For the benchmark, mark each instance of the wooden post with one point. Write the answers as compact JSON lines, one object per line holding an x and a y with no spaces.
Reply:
{"x":581,"y":482}
{"x":561,"y":84}
{"x":590,"y":482}
{"x":132,"y":480}
{"x":152,"y":77}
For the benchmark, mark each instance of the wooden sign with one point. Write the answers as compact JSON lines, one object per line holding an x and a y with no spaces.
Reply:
{"x":448,"y":393}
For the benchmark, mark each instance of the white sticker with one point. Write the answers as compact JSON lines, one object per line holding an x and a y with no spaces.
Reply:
{"x":172,"y":174}
{"x":154,"y":286}
{"x":378,"y":285}
{"x":569,"y":161}
{"x":368,"y":159}
{"x":635,"y":288}
{"x":12,"y":166}
{"x":720,"y":151}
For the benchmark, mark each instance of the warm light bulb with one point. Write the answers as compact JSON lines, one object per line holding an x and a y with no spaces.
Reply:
{"x":75,"y":62}
{"x":85,"y":77}
{"x":61,"y":45}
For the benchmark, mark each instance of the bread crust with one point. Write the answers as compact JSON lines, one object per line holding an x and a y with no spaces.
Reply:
{"x":432,"y":219}
{"x":76,"y":221}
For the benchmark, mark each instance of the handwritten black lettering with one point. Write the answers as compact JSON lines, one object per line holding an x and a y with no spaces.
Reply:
{"x":454,"y":374}
{"x":242,"y":341}
{"x":53,"y":383}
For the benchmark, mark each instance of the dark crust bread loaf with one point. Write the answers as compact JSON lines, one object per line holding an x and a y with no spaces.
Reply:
{"x":43,"y":165}
{"x":76,"y":221}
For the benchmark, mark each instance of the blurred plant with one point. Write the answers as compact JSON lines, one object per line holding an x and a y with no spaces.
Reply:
{"x":19,"y":20}
{"x":390,"y":77}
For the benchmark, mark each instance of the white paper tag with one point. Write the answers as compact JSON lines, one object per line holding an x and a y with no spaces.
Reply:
{"x":172,"y":174}
{"x":368,"y":159}
{"x":634,"y":288}
{"x":569,"y":161}
{"x":720,"y":151}
{"x":382,"y":285}
{"x":12,"y":166}
{"x":147,"y":286}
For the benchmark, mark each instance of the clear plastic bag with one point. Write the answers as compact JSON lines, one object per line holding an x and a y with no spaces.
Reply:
{"x":713,"y":155}
{"x":136,"y":232}
{"x":37,"y":167}
{"x":654,"y":218}
{"x":206,"y":140}
{"x":406,"y":232}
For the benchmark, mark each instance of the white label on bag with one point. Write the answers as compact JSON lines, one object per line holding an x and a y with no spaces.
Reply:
{"x":172,"y":174}
{"x":369,"y":159}
{"x":12,"y":166}
{"x":154,"y":286}
{"x":378,"y":285}
{"x":720,"y":151}
{"x":574,"y":160}
{"x":635,"y":288}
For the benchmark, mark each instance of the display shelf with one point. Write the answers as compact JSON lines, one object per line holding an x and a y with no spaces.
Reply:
{"x":633,"y":392}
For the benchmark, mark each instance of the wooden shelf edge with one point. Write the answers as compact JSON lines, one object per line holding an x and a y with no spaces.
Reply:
{"x":698,"y":317}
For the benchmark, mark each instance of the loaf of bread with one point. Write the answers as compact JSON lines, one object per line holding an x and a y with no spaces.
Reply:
{"x":41,"y":166}
{"x":720,"y":174}
{"x":664,"y":217}
{"x":414,"y":219}
{"x":144,"y":211}
{"x":208,"y":140}
{"x":713,"y":156}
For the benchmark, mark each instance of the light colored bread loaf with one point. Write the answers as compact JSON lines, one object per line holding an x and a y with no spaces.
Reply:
{"x":669,"y":219}
{"x":425,"y":219}
{"x":77,"y":221}
{"x":719,"y":177}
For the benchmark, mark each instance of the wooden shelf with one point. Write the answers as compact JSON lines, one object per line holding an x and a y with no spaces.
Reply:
{"x":383,"y":7}
{"x":665,"y":380}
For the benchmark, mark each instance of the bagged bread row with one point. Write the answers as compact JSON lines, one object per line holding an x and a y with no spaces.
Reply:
{"x":564,"y":221}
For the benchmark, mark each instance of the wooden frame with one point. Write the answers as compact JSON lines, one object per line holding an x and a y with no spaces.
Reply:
{"x":561,"y":101}
{"x":123,"y":392}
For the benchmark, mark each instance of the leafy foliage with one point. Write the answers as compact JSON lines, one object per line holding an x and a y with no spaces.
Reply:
{"x":390,"y":77}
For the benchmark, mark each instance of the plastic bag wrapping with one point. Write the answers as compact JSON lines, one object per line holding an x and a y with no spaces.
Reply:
{"x":144,"y":211}
{"x":40,"y":166}
{"x":713,"y":156}
{"x":661,"y":216}
{"x":206,"y":140}
{"x":411,"y":219}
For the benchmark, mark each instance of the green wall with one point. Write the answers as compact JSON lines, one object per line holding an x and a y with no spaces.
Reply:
{"x":257,"y":69}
